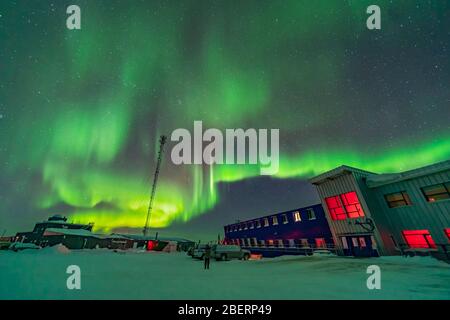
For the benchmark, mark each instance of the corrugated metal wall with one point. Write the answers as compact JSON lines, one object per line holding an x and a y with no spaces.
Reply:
{"x":342,"y":184}
{"x":434,"y":216}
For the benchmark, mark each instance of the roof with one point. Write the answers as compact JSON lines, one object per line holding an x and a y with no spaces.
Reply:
{"x":336,"y":172}
{"x":141,"y":237}
{"x":274,"y":214}
{"x":384,"y":179}
{"x":83,"y":233}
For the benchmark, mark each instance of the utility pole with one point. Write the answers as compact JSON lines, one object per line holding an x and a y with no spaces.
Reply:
{"x":162,"y":141}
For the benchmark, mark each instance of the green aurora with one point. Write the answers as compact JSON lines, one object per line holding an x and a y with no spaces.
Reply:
{"x":82,"y":110}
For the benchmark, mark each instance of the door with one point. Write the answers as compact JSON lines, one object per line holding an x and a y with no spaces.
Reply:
{"x":360,"y":246}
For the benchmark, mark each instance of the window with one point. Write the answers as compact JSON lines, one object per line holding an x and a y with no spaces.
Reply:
{"x":355,"y":242}
{"x":398,"y":199}
{"x":291,"y":243}
{"x":344,"y":206}
{"x":245,"y":226}
{"x":266,"y":222}
{"x":447,"y":232}
{"x":263,"y":243}
{"x":334,"y":205}
{"x":297,"y":216}
{"x":258,"y":223}
{"x":255,"y":242}
{"x":240,"y":227}
{"x":419,"y":239}
{"x":270,"y":243}
{"x":252,"y":225}
{"x":437,"y":192}
{"x":320,"y":243}
{"x":274,"y":220}
{"x":352,"y":205}
{"x":243,"y":242}
{"x":362,"y":242}
{"x":280,"y":243}
{"x":344,"y":243}
{"x":311,"y":214}
{"x":304,"y":243}
{"x":285,"y":218}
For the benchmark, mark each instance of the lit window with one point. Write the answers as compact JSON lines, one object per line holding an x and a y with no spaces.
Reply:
{"x":352,"y":205}
{"x":311,"y":214}
{"x":297,"y":216}
{"x":304,"y":243}
{"x":266,"y":222}
{"x":437,"y":192}
{"x":447,"y":232}
{"x":285,"y":219}
{"x":274,"y":220}
{"x":419,"y":239}
{"x":320,"y":243}
{"x":398,"y":199}
{"x":335,"y":207}
{"x":270,"y":243}
{"x":344,"y":206}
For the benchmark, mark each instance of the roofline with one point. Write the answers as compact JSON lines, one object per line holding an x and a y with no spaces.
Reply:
{"x":414,"y":173}
{"x":274,"y":214}
{"x":336,"y":172}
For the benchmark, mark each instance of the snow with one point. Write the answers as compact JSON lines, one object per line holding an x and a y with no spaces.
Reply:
{"x":105,"y":274}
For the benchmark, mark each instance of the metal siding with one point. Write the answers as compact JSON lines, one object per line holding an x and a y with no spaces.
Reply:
{"x":421,"y":214}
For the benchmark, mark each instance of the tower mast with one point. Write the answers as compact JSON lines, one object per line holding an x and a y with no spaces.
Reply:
{"x":162,"y":141}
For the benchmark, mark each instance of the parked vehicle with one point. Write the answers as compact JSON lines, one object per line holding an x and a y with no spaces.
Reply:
{"x":199,"y":251}
{"x":19,"y":246}
{"x":227,"y":252}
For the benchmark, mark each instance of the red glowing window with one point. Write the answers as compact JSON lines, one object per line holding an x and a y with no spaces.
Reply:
{"x":320,"y":243}
{"x":335,"y":207}
{"x":344,"y":206}
{"x":352,"y":205}
{"x":447,"y":232}
{"x":151,"y":245}
{"x":419,"y":239}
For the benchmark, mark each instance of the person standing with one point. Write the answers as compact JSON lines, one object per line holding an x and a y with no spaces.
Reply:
{"x":207,"y":256}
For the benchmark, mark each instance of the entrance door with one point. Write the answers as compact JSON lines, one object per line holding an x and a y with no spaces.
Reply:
{"x":360,"y":246}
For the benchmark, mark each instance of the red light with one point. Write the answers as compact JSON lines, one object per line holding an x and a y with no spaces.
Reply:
{"x":419,"y":239}
{"x":447,"y":232}
{"x":151,"y":245}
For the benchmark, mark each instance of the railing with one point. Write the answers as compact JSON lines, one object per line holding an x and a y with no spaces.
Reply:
{"x":293,"y":249}
{"x":443,"y":248}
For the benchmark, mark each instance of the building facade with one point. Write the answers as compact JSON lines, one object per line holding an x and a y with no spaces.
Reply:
{"x":298,"y":231}
{"x":386,"y":214}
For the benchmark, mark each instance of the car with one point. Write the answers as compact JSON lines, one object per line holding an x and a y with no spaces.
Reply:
{"x":19,"y":246}
{"x":199,"y":251}
{"x":227,"y":252}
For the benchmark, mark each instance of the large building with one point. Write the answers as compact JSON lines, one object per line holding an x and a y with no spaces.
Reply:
{"x":292,"y":232}
{"x":386,"y":214}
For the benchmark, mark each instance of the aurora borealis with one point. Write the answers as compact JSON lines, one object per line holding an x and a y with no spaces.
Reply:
{"x":81,"y":110}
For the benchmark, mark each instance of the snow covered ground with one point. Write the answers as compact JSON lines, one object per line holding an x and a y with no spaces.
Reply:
{"x":41,"y":274}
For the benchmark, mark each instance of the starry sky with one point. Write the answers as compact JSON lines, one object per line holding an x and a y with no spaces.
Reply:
{"x":81,"y":110}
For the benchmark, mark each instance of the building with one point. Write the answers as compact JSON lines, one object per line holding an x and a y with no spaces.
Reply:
{"x":298,"y":231}
{"x":56,"y":230}
{"x":373,"y":214}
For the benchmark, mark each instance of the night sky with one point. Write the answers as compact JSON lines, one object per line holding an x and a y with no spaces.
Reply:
{"x":81,"y":110}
